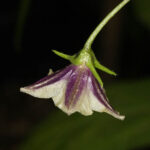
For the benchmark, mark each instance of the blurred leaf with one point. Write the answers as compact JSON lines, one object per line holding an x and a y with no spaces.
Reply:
{"x":100,"y":131}
{"x":142,"y":11}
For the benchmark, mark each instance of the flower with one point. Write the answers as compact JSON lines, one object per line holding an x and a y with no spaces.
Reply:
{"x":73,"y":89}
{"x":78,"y":87}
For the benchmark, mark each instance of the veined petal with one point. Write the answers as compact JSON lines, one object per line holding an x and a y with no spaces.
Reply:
{"x":50,"y":85}
{"x":46,"y":91}
{"x":52,"y":78}
{"x":73,"y":97}
{"x":99,"y":101}
{"x":82,"y":105}
{"x":59,"y":100}
{"x":76,"y":82}
{"x":97,"y":106}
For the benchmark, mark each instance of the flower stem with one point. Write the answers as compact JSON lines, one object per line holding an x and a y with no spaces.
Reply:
{"x":93,"y":35}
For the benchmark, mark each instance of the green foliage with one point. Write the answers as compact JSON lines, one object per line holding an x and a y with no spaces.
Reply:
{"x":99,"y":131}
{"x":142,"y":11}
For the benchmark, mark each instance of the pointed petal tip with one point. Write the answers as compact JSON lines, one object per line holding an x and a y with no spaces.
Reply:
{"x":24,"y":90}
{"x":27,"y":91}
{"x":120,"y":117}
{"x":115,"y":114}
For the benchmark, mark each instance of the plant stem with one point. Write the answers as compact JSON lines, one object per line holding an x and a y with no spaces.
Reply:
{"x":93,"y":35}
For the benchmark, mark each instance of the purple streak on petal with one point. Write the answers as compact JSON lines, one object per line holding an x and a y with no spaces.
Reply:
{"x":76,"y":83}
{"x":62,"y":74}
{"x":98,"y":91}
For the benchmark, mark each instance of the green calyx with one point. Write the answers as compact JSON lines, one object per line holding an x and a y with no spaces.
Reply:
{"x":88,"y":58}
{"x":86,"y":55}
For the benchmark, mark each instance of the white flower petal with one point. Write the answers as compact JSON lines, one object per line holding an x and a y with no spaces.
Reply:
{"x":59,"y":101}
{"x":60,"y":97}
{"x":83,"y":105}
{"x":97,"y":106}
{"x":45,"y":91}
